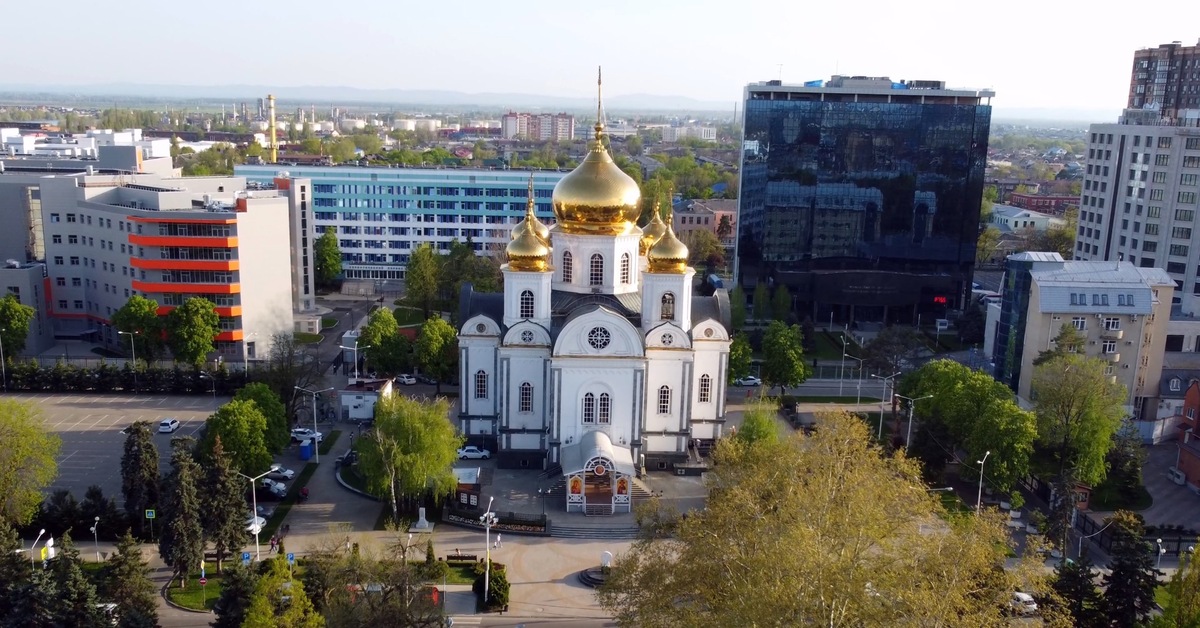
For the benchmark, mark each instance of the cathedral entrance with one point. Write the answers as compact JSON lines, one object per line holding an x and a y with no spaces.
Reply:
{"x":599,"y":475}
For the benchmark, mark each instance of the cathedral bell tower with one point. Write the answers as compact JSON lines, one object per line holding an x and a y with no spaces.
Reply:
{"x":667,"y":283}
{"x":528,"y":272}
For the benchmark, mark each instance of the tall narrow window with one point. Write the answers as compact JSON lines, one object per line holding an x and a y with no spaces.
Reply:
{"x":605,"y":408}
{"x":481,"y":385}
{"x":567,"y":273}
{"x":705,"y":389}
{"x":664,"y":400}
{"x":625,"y":268}
{"x":668,"y":307}
{"x":525,"y":403}
{"x":589,"y":408}
{"x":527,"y":304}
{"x":597,"y":270}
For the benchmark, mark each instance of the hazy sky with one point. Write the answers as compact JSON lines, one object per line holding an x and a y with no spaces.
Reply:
{"x":1051,"y":54}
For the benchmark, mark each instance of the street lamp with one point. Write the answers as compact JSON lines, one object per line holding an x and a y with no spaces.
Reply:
{"x":979,"y":495}
{"x":1161,"y":550}
{"x":246,"y":353}
{"x":316,"y":445}
{"x":488,"y":519}
{"x":133,"y":354}
{"x":254,"y":499}
{"x":34,"y":546}
{"x":842,"y":372}
{"x":860,"y":373}
{"x":1079,"y":552}
{"x":355,"y":349}
{"x":912,"y":403}
{"x":542,"y":495}
{"x":96,"y":537}
{"x":883,"y":401}
{"x":3,"y":366}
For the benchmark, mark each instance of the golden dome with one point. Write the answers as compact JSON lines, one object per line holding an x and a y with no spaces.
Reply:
{"x":539,"y":228}
{"x":596,"y":197}
{"x":668,"y":255}
{"x":653,"y":231}
{"x":527,"y":252}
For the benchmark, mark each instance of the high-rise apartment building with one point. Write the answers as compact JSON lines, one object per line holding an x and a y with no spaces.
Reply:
{"x":862,"y":195}
{"x":1166,"y":78}
{"x":558,"y":127}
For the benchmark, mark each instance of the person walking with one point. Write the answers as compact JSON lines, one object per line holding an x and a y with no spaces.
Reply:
{"x":272,"y":544}
{"x":499,"y":543}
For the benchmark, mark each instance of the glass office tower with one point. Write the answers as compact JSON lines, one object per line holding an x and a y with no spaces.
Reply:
{"x":862,"y":196}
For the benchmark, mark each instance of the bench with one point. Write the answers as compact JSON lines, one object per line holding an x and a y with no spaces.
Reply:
{"x":462,"y":558}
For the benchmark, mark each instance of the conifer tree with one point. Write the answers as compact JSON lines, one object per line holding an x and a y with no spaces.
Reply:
{"x":1074,"y":581}
{"x":128,"y":583}
{"x":181,"y":545}
{"x":224,"y":505}
{"x":139,"y":476}
{"x":1129,"y":586}
{"x":77,"y":604}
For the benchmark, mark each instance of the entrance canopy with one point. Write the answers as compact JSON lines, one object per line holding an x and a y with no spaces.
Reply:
{"x":592,"y":445}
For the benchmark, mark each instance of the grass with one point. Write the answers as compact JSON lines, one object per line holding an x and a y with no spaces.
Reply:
{"x":328,"y":442}
{"x":1162,"y":595}
{"x":953,"y":504}
{"x":195,"y":596}
{"x":829,"y":347}
{"x":1106,"y":497}
{"x":872,"y":421}
{"x":406,"y":316}
{"x":947,"y":342}
{"x":306,"y":338}
{"x":461,"y":572}
{"x":328,"y":323}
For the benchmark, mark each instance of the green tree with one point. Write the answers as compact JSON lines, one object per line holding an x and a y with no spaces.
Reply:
{"x":368,"y":143}
{"x":740,"y":355}
{"x":267,"y":401}
{"x":327,"y":258}
{"x":781,"y":303}
{"x":77,"y":603}
{"x":1129,"y":586}
{"x":759,"y":422}
{"x":783,"y":357}
{"x":15,"y":319}
{"x":990,"y":196}
{"x":291,"y":364}
{"x":238,"y":584}
{"x":127,"y":583}
{"x":725,"y":227}
{"x":340,"y":149}
{"x":1075,"y":583}
{"x":224,"y":502}
{"x":762,"y":301}
{"x":279,"y":601}
{"x":1181,"y":609}
{"x":242,"y":429}
{"x":28,"y":460}
{"x":1125,"y":460}
{"x":1078,"y":410}
{"x":1068,"y":340}
{"x":1057,"y":238}
{"x":15,"y":572}
{"x":191,"y":329}
{"x":181,"y":544}
{"x":376,"y":335}
{"x":421,"y":278}
{"x":139,"y":475}
{"x":843,"y":548}
{"x":411,"y":451}
{"x":737,"y":308}
{"x":437,"y":350}
{"x":311,"y":145}
{"x":704,"y":249}
{"x":986,"y":245}
{"x":895,"y":349}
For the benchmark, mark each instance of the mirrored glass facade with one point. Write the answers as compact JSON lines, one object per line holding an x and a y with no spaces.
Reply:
{"x":865,"y":204}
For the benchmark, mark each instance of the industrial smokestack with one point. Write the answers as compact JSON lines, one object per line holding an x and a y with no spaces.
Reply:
{"x":274,"y":141}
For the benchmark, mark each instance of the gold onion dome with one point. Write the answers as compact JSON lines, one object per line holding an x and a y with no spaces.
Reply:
{"x":527,"y":252}
{"x":539,"y":228}
{"x":597,"y":197}
{"x":653,"y":231}
{"x":668,"y":255}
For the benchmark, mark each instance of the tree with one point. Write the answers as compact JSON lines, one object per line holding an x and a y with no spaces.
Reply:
{"x":139,"y":316}
{"x":376,"y":335}
{"x":191,"y":328}
{"x":139,"y":475}
{"x":267,"y":401}
{"x":1078,"y":410}
{"x":1068,"y":340}
{"x":279,"y":601}
{"x":241,"y":427}
{"x":15,"y":572}
{"x":127,"y":582}
{"x":895,"y":349}
{"x":781,"y":303}
{"x":740,"y":355}
{"x":15,"y":319}
{"x":704,"y":249}
{"x":737,"y":308}
{"x":762,"y":301}
{"x":858,"y":546}
{"x":1181,"y":609}
{"x":1058,"y":238}
{"x":725,"y":227}
{"x":437,"y":350}
{"x":27,"y":460}
{"x":312,"y":146}
{"x":759,"y":423}
{"x":181,"y":544}
{"x":238,"y":584}
{"x":224,"y":503}
{"x":327,"y":258}
{"x":291,"y":364}
{"x":1125,"y":460}
{"x":1075,"y":583}
{"x":783,"y":356}
{"x":421,"y":277}
{"x":340,"y":150}
{"x":987,"y":244}
{"x":76,"y":603}
{"x":1129,"y":586}
{"x":411,"y":451}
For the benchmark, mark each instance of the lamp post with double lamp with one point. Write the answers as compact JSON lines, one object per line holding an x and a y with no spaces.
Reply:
{"x":96,"y":537}
{"x":488,"y":519}
{"x":1161,"y":550}
{"x":860,"y":373}
{"x":542,"y":495}
{"x":355,"y":349}
{"x":912,"y":403}
{"x":133,"y":355}
{"x":979,"y":495}
{"x":314,"y":393}
{"x":254,"y":504}
{"x":886,"y":381}
{"x":33,"y":548}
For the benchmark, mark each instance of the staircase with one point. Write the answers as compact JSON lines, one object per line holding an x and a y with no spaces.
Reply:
{"x":621,"y":533}
{"x":552,"y":471}
{"x":597,"y":510}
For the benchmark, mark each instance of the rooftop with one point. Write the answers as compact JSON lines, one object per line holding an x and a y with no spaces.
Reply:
{"x":839,"y":84}
{"x":1101,"y":274}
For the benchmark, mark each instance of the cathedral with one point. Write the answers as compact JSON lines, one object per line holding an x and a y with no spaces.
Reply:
{"x":597,"y":362}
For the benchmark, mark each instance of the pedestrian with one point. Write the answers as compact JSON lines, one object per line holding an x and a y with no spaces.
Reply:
{"x":272,"y":544}
{"x":498,"y":542}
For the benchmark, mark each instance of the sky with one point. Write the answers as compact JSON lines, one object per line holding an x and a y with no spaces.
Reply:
{"x":1050,"y":55}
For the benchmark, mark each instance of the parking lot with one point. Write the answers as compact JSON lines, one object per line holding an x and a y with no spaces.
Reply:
{"x":90,"y":428}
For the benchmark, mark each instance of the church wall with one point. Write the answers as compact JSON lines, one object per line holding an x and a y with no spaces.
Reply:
{"x":524,"y":365}
{"x":515,"y":283}
{"x":669,"y":368}
{"x":582,"y":247}
{"x":578,"y":376}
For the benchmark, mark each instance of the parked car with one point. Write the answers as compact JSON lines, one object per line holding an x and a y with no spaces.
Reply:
{"x":301,"y":434}
{"x":265,"y":512}
{"x":424,"y":379}
{"x":254,"y":525}
{"x":748,"y":380}
{"x":407,"y":380}
{"x":275,"y":487}
{"x":471,"y":452}
{"x":1023,"y":603}
{"x":281,"y":474}
{"x":168,"y":426}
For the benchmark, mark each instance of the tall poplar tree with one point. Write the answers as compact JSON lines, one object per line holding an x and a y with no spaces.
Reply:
{"x":139,"y":476}
{"x":421,"y":279}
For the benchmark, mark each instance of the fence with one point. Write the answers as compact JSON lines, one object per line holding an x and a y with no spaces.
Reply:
{"x":1174,"y":543}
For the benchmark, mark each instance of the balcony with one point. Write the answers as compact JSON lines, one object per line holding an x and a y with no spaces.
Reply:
{"x":184,"y":264}
{"x":1112,"y":357}
{"x":231,"y":311}
{"x":200,"y":288}
{"x":1112,"y":334}
{"x":223,"y":242}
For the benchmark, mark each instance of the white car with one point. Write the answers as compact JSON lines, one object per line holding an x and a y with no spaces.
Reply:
{"x":276,"y":488}
{"x":301,"y":434}
{"x":1023,"y":603}
{"x":254,"y":525}
{"x":748,"y":380}
{"x":168,"y":426}
{"x":407,"y":380}
{"x":281,"y":474}
{"x":471,"y":452}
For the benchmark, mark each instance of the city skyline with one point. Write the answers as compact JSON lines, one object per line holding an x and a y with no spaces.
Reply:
{"x":702,"y":51}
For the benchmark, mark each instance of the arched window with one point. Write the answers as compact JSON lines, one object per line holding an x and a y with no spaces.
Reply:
{"x":527,"y":304}
{"x":525,"y":403}
{"x":705,"y":389}
{"x":481,"y":385}
{"x":625,"y":268}
{"x":566,"y":267}
{"x":589,"y":408}
{"x":605,"y":408}
{"x":597,"y":271}
{"x":664,"y":400}
{"x":668,"y":307}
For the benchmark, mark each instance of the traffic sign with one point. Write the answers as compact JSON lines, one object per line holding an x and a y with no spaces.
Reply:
{"x":291,"y":558}
{"x":245,"y":558}
{"x":203,"y":581}
{"x":149,"y":513}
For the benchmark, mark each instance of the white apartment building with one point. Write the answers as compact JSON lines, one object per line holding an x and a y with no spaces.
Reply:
{"x":677,"y":133}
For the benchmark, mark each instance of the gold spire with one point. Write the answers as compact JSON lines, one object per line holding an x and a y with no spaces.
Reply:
{"x":599,"y":127}
{"x":669,"y":254}
{"x":653,"y":230}
{"x":539,"y":229}
{"x":527,"y":252}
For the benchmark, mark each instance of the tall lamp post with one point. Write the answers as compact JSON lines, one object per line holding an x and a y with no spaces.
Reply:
{"x":860,"y":373}
{"x":133,"y":354}
{"x":246,"y":353}
{"x":1161,"y":550}
{"x":33,"y":547}
{"x":884,"y":400}
{"x":488,"y":519}
{"x":979,"y":495}
{"x":912,"y":403}
{"x":542,"y":495}
{"x":355,"y":349}
{"x":842,"y":372}
{"x":313,"y":394}
{"x":254,"y":499}
{"x":96,"y":537}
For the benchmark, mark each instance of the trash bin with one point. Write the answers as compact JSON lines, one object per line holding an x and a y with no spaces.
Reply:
{"x":306,"y":450}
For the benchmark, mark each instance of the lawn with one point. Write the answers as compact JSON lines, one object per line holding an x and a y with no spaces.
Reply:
{"x":306,"y":338}
{"x":953,"y":504}
{"x":328,"y":442}
{"x":328,"y":323}
{"x":1106,"y":497}
{"x":461,"y":572}
{"x":408,"y":316}
{"x":829,"y":347}
{"x":194,"y":596}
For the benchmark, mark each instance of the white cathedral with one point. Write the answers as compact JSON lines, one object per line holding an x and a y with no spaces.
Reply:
{"x":597,"y":360}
